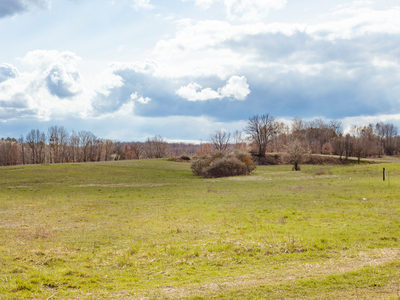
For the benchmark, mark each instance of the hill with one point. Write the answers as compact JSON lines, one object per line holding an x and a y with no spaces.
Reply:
{"x":149,"y":229}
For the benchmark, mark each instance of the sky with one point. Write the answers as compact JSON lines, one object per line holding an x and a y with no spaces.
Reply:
{"x":130,"y":69}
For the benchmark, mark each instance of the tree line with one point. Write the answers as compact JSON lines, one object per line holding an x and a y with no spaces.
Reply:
{"x":59,"y":145}
{"x":262,"y":134}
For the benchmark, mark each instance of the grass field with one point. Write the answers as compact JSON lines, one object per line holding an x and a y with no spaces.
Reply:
{"x":150,"y":230}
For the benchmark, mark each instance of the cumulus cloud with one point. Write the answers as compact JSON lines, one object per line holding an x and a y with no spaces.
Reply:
{"x":14,"y":93}
{"x":213,"y":34}
{"x":124,"y":83}
{"x":235,"y":89}
{"x":348,"y":22}
{"x":44,"y":58}
{"x":13,"y":7}
{"x":62,"y":82}
{"x":7,"y":71}
{"x":137,"y":4}
{"x":194,"y":92}
{"x":53,"y":87}
{"x":135,"y":97}
{"x":61,"y":76}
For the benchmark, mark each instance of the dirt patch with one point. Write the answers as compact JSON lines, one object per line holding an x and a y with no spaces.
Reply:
{"x":292,"y":272}
{"x":123,"y":185}
{"x":280,"y":178}
{"x":18,"y":187}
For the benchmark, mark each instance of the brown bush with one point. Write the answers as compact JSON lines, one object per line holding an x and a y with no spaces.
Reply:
{"x":224,"y":167}
{"x":220,"y":164}
{"x":267,"y":160}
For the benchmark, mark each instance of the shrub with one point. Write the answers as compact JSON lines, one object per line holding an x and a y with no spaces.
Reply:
{"x":267,"y":160}
{"x":198,"y":166}
{"x":219,"y":164}
{"x":226,"y":166}
{"x":327,"y":149}
{"x":246,"y":158}
{"x":182,"y":158}
{"x":295,"y":154}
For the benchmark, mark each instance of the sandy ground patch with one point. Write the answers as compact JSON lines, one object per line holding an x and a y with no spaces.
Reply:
{"x":280,"y":178}
{"x":293,"y":271}
{"x":123,"y":185}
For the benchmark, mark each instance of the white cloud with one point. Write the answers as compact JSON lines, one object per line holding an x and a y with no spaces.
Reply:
{"x":141,"y":99}
{"x":218,"y":48}
{"x":7,"y":71}
{"x":63,"y":81}
{"x":137,"y":4}
{"x":194,"y":92}
{"x":344,"y":22}
{"x":212,"y":35}
{"x":54,"y":87}
{"x":44,"y":58}
{"x":250,"y":10}
{"x":203,"y":3}
{"x":245,"y":10}
{"x":59,"y":70}
{"x":235,"y":89}
{"x":356,"y":19}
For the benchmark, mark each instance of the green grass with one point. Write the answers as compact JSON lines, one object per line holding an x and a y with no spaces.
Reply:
{"x":149,"y":229}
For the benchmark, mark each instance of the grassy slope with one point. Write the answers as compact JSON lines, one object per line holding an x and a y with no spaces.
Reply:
{"x":126,"y":230}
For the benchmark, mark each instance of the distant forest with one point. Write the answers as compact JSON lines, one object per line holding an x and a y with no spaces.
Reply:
{"x":263,"y":134}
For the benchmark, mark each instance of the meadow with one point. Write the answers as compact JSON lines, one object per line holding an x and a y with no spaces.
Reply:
{"x":149,"y":229}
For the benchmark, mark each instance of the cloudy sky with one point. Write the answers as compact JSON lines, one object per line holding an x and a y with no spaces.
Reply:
{"x":129,"y":69}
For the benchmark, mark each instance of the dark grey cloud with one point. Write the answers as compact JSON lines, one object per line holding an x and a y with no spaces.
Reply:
{"x":13,"y":7}
{"x":63,"y":83}
{"x":16,"y":107}
{"x":12,"y":113}
{"x":302,"y":47}
{"x":17,"y":101}
{"x":162,"y":91}
{"x":7,"y":71}
{"x":331,"y":92}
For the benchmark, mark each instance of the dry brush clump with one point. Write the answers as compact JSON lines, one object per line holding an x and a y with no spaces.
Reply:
{"x":295,"y":154}
{"x":182,"y":158}
{"x":221,"y":164}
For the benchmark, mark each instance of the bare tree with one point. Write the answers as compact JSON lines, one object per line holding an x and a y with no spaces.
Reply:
{"x":219,"y":140}
{"x":336,"y":126}
{"x":108,"y":148}
{"x":338,"y":146}
{"x":21,"y":141}
{"x":261,"y":129}
{"x":138,"y":148}
{"x":74,"y":144}
{"x":239,"y":141}
{"x":36,"y":140}
{"x":84,"y":144}
{"x":58,"y":141}
{"x":118,"y":151}
{"x":298,"y":129}
{"x":295,"y":154}
{"x":9,"y":152}
{"x":95,"y":148}
{"x":63,"y":143}
{"x":348,"y":145}
{"x":156,"y":147}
